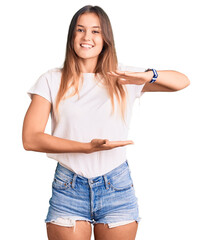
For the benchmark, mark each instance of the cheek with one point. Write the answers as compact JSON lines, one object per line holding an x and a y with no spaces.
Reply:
{"x":100,"y":42}
{"x":76,"y":40}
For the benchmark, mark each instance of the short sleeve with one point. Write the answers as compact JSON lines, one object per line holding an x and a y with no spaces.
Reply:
{"x":41,"y":87}
{"x":137,"y":88}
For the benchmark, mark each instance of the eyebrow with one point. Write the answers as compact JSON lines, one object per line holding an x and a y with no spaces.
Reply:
{"x":92,"y":27}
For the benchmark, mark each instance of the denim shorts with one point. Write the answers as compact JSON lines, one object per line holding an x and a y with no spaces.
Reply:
{"x":108,"y":199}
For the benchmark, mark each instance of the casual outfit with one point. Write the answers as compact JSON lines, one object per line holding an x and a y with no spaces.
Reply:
{"x":96,"y":187}
{"x":108,"y":199}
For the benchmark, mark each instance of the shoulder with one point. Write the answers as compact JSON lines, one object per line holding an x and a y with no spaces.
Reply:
{"x":53,"y":72}
{"x":51,"y":76}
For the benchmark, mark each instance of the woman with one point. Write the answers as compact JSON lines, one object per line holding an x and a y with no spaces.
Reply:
{"x":90,"y":100}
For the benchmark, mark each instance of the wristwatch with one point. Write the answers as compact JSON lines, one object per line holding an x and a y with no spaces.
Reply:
{"x":154,"y":76}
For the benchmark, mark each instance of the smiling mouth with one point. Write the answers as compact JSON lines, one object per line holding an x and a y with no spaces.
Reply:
{"x":86,"y":46}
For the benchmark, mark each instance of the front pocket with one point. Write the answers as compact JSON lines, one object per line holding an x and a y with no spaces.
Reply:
{"x":60,"y":182}
{"x":122,"y":181}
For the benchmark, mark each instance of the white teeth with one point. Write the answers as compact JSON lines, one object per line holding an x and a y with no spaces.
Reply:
{"x":85,"y":45}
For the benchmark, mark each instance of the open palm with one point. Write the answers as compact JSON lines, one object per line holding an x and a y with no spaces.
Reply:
{"x":105,"y":144}
{"x":126,"y":77}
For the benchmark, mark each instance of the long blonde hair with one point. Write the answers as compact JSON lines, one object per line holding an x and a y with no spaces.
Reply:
{"x":107,"y":61}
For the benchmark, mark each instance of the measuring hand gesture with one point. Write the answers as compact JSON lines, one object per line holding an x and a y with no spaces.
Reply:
{"x":104,"y":144}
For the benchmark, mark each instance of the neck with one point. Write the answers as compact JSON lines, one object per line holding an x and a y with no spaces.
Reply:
{"x":87,"y":65}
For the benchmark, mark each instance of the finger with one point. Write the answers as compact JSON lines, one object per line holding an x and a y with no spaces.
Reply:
{"x":114,"y":144}
{"x":117,"y":73}
{"x":124,"y":73}
{"x":103,"y":141}
{"x":128,"y":142}
{"x":113,"y":74}
{"x":123,"y":81}
{"x":122,"y":142}
{"x":106,"y":141}
{"x":120,"y":72}
{"x":98,"y":142}
{"x":128,"y":74}
{"x":123,"y":76}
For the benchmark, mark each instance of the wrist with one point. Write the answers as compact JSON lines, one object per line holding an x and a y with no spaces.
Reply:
{"x":149,"y":76}
{"x":87,"y":147}
{"x":154,"y":74}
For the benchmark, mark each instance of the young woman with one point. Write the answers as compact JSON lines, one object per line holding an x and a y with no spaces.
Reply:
{"x":90,"y":100}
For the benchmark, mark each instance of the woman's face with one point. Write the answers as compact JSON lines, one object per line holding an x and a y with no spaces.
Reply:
{"x":88,"y":41}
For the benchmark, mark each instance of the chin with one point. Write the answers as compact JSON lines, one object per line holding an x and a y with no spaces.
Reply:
{"x":87,"y":56}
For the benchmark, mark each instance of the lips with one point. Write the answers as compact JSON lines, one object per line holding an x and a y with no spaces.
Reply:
{"x":86,"y":45}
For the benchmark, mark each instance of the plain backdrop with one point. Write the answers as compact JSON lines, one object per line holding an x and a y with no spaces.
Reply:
{"x":170,"y":161}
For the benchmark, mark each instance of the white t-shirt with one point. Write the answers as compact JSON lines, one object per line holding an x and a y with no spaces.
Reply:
{"x":87,"y":118}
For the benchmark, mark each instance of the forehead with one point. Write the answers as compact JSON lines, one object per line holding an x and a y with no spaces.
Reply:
{"x":88,"y":20}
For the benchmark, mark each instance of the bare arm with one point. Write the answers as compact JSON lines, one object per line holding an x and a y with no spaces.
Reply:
{"x":34,"y":138}
{"x":167,"y":81}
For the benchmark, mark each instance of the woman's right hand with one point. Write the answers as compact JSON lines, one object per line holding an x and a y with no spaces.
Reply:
{"x":104,"y":144}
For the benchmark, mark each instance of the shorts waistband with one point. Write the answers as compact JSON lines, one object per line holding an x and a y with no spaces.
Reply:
{"x":105,"y":177}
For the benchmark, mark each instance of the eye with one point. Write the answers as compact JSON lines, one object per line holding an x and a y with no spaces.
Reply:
{"x":79,"y":29}
{"x":95,"y":31}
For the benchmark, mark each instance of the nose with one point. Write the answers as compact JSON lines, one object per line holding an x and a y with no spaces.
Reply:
{"x":87,"y":35}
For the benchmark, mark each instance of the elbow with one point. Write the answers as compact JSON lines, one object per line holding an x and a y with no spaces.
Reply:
{"x":27,"y":142}
{"x":26,"y":145}
{"x":31,"y":142}
{"x":184,"y":83}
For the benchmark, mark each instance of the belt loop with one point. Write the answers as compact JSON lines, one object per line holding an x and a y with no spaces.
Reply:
{"x":105,"y":178}
{"x":128,"y":166}
{"x":73,"y":180}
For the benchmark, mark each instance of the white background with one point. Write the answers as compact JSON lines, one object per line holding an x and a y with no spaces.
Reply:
{"x":171,"y":159}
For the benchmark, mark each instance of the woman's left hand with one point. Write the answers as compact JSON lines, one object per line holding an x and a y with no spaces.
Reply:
{"x":126,"y":77}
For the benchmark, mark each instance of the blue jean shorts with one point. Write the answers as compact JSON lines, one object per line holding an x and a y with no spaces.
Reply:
{"x":108,"y":199}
